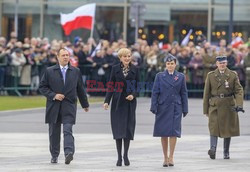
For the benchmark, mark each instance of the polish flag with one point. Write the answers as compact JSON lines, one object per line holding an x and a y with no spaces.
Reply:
{"x":82,"y":17}
{"x":236,"y":42}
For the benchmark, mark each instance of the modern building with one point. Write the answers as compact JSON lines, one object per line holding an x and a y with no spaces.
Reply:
{"x":166,"y":20}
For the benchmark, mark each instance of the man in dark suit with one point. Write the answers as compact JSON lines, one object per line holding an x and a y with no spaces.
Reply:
{"x":61,"y":84}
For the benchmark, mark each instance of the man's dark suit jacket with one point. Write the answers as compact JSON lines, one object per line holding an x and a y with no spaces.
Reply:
{"x":52,"y":83}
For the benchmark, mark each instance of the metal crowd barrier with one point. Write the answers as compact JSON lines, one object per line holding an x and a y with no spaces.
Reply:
{"x":14,"y":86}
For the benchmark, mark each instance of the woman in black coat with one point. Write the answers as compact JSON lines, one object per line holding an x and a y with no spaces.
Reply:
{"x":122,"y":89}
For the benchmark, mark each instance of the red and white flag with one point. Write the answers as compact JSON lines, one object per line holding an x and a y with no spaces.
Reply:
{"x":237,"y":42}
{"x":82,"y":17}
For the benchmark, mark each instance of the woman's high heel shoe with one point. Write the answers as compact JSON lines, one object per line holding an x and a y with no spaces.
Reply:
{"x":171,"y":162}
{"x":165,"y":164}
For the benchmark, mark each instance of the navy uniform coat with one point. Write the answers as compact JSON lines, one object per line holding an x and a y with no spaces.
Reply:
{"x":122,"y":110}
{"x":168,"y":101}
{"x":52,"y":84}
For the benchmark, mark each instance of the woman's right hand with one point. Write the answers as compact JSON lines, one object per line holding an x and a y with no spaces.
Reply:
{"x":106,"y":106}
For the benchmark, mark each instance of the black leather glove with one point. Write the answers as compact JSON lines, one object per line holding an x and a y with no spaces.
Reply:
{"x":184,"y":114}
{"x":238,"y":109}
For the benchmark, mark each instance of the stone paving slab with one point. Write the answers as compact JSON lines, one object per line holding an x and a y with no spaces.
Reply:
{"x":96,"y":152}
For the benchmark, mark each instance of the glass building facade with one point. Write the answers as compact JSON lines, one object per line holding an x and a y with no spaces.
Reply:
{"x":166,"y":20}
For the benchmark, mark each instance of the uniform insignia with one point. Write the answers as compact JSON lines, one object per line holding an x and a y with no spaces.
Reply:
{"x":226,"y":84}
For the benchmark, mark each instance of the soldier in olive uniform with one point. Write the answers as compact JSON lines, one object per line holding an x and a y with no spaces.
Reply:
{"x":222,"y":99}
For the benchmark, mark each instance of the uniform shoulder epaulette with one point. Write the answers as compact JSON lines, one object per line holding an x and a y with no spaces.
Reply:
{"x":180,"y":73}
{"x":160,"y":73}
{"x":234,"y":72}
{"x":210,"y":72}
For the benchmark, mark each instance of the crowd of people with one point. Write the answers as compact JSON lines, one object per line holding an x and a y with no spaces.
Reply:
{"x":22,"y":63}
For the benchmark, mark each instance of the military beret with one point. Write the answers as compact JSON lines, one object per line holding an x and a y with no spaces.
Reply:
{"x":169,"y":58}
{"x":221,"y":58}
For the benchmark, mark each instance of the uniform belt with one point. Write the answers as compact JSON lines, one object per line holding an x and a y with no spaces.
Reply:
{"x":222,"y":95}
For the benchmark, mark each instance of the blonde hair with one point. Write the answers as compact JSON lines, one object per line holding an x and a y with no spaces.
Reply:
{"x":123,"y":51}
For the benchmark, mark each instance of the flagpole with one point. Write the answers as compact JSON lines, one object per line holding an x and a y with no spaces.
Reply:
{"x":92,"y":29}
{"x":93,"y":24}
{"x":16,"y":17}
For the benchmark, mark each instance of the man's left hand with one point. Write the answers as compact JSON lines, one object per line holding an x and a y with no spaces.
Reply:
{"x":86,"y":109}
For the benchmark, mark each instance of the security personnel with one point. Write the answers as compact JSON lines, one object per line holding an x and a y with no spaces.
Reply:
{"x":222,"y":100}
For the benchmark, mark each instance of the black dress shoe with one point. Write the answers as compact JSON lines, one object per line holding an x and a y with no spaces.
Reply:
{"x":119,"y":162}
{"x":54,"y":160}
{"x":226,"y":156}
{"x":211,"y":153}
{"x":68,"y":158}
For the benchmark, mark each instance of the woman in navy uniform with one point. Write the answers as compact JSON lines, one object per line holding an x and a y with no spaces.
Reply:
{"x":169,"y":102}
{"x":123,"y":103}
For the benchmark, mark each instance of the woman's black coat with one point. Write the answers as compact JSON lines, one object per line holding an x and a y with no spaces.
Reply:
{"x":122,"y":110}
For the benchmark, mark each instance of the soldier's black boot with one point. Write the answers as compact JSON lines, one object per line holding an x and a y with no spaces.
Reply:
{"x":226,"y":147}
{"x":213,"y":145}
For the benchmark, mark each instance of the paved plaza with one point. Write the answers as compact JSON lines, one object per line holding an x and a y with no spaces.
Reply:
{"x":24,"y":143}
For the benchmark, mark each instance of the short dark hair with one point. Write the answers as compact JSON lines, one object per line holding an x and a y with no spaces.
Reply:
{"x":58,"y":52}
